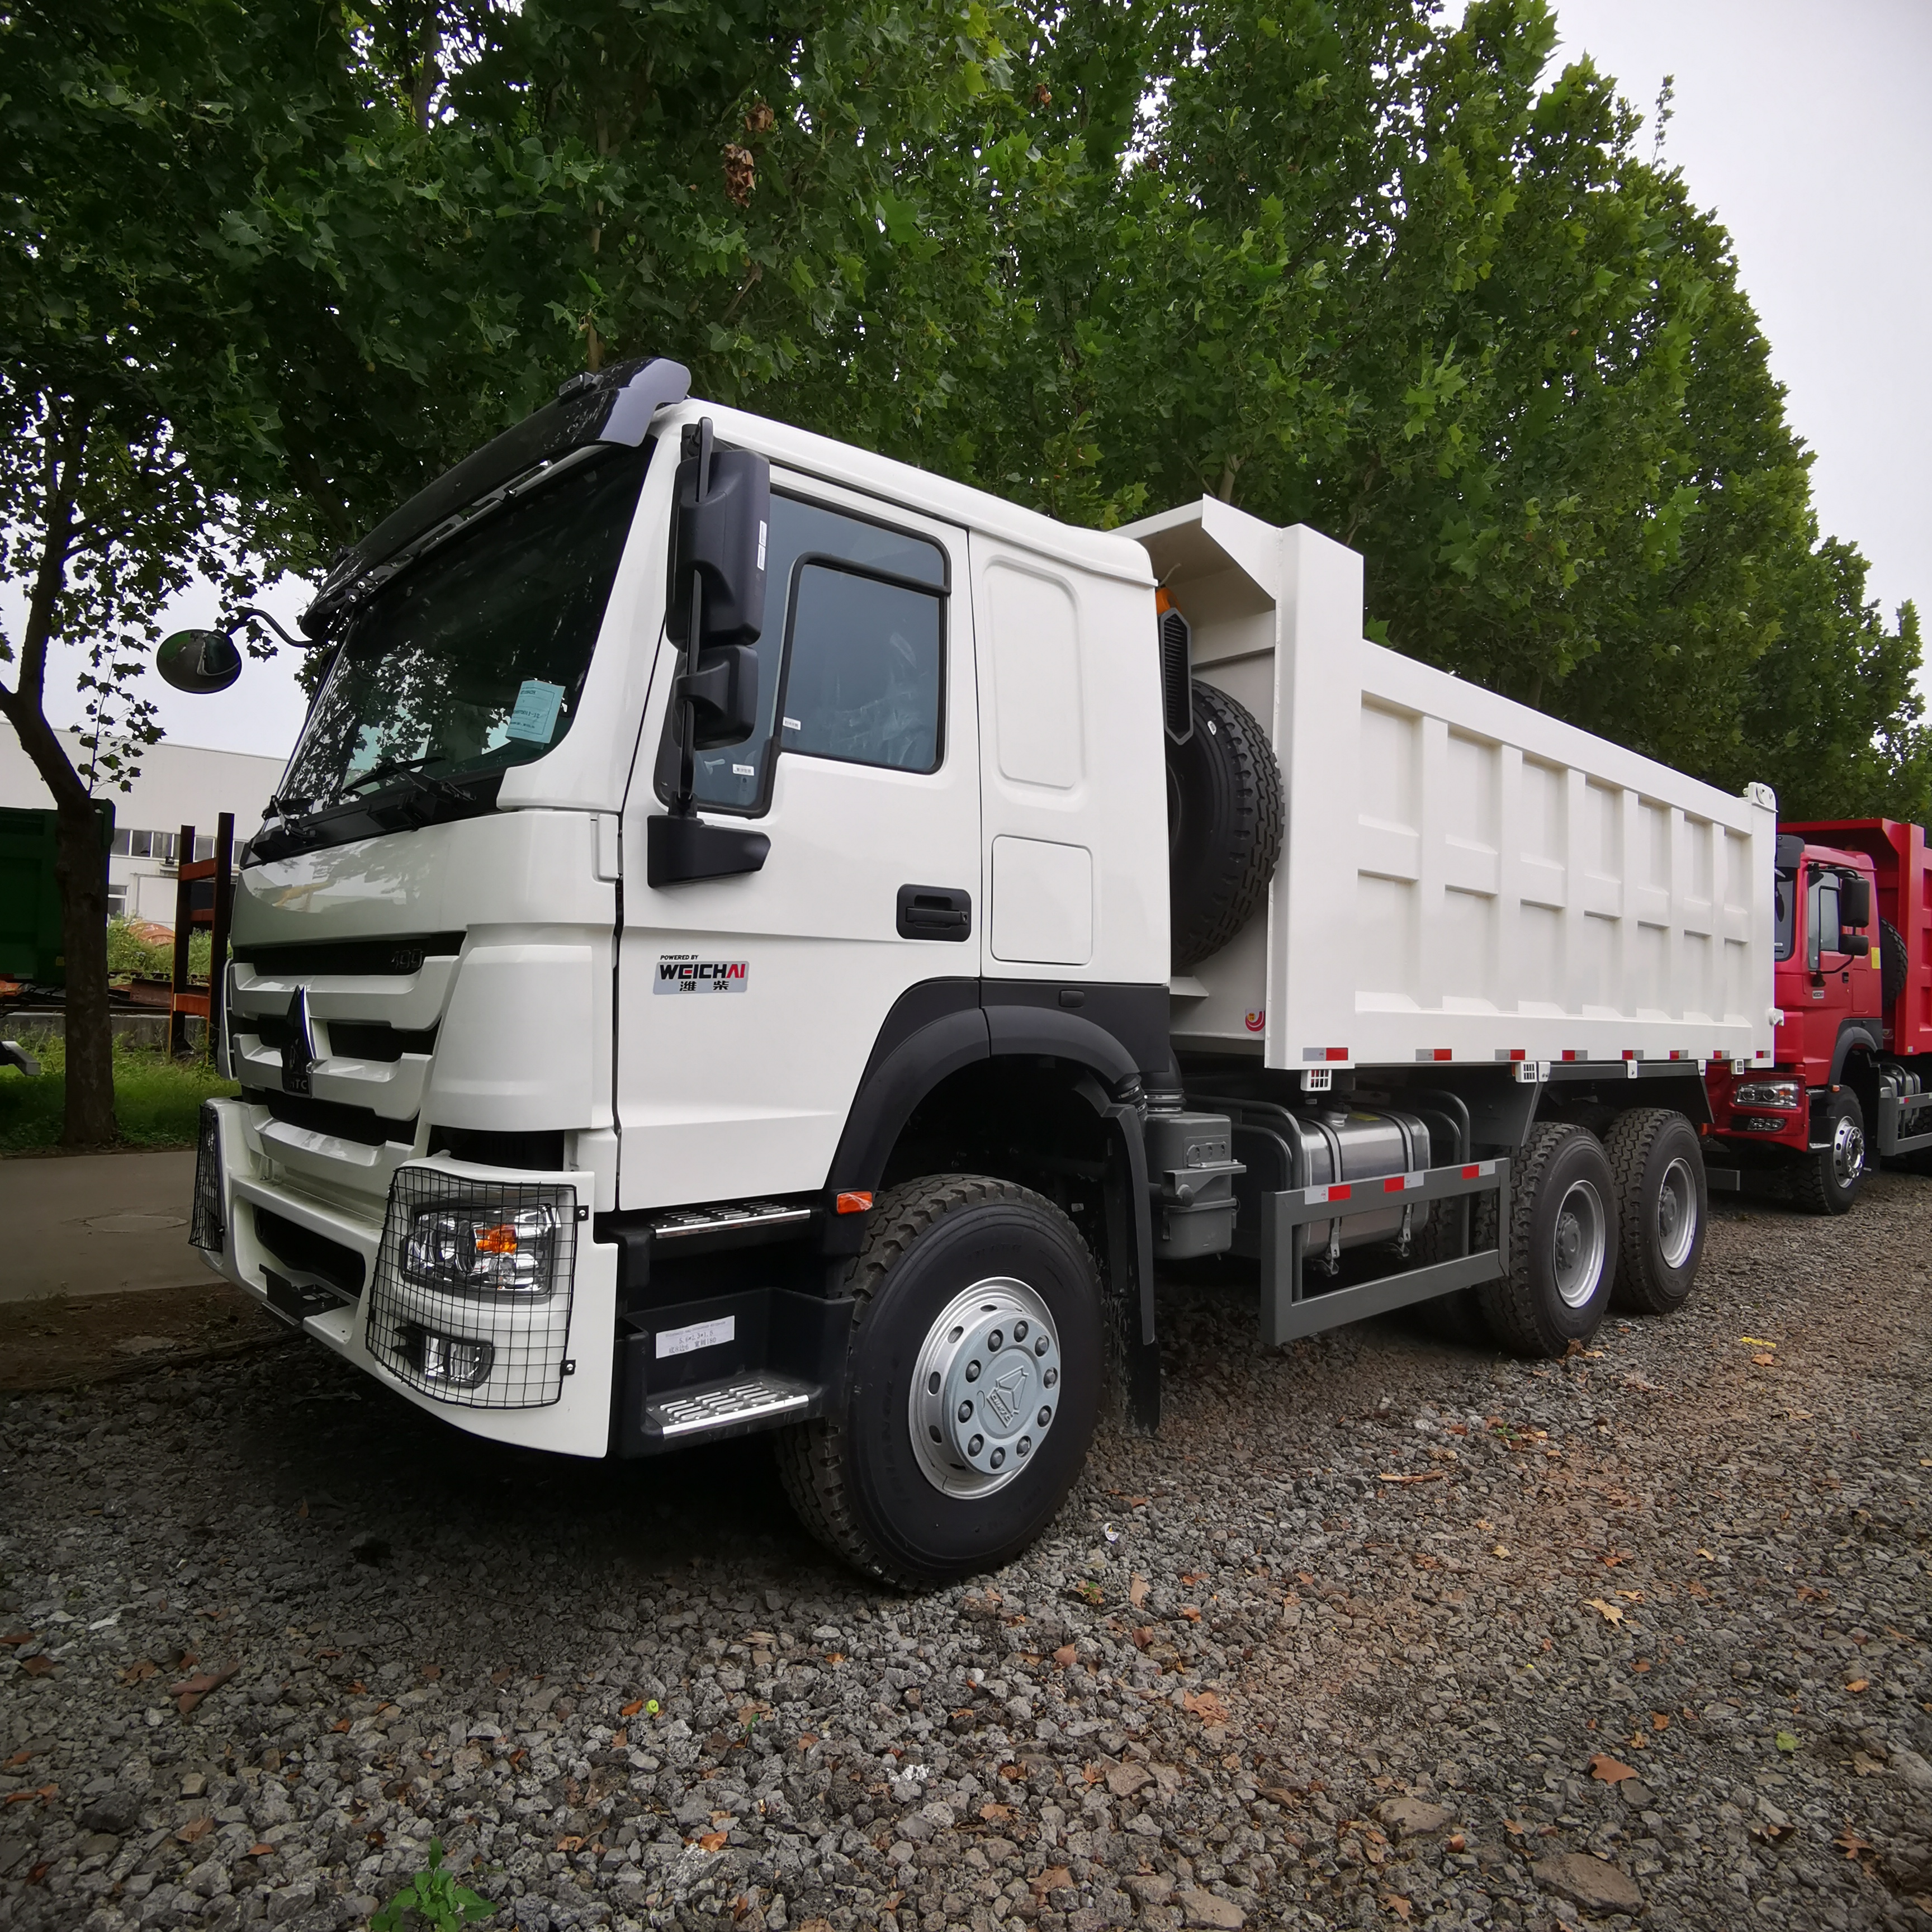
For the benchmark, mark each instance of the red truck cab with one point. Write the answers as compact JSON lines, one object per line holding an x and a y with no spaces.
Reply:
{"x":1852,"y":1053}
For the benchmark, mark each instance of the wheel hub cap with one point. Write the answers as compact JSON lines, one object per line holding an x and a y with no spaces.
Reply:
{"x":985,"y":1388}
{"x":1580,"y":1244}
{"x":1677,"y":1214}
{"x":1848,"y":1151}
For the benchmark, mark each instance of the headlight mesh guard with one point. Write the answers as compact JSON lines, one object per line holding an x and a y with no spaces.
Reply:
{"x":204,"y":1228}
{"x":528,"y":1337}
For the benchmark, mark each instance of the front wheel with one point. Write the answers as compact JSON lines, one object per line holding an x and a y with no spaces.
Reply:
{"x":972,"y":1387}
{"x":1559,"y":1248}
{"x":1831,"y":1174}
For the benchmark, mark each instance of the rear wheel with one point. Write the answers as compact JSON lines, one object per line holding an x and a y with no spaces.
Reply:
{"x":1663,"y":1200}
{"x":972,"y":1387}
{"x":1559,"y":1247}
{"x":1830,"y":1175}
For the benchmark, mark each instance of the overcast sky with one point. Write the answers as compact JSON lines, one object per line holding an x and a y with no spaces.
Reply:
{"x":1804,"y":124}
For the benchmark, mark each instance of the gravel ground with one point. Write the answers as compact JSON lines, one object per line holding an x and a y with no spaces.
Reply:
{"x":1382,"y":1630}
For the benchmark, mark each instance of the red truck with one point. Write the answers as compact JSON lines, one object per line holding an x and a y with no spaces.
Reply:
{"x":1852,"y":1079}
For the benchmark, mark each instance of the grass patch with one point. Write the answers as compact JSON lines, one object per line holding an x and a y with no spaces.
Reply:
{"x":156,"y":1100}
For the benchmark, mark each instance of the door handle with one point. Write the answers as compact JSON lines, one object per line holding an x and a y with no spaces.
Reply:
{"x":934,"y":912}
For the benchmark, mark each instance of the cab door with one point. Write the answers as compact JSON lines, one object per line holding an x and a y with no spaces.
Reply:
{"x":748,"y":1006}
{"x":1829,"y":996}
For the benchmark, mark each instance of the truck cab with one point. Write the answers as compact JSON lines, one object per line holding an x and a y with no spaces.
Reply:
{"x":1847,"y":1084}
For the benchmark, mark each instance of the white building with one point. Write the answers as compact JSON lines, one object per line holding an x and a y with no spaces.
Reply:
{"x":179,"y":784}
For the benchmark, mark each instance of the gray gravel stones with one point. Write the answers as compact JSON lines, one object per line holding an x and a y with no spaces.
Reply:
{"x":1382,"y":1630}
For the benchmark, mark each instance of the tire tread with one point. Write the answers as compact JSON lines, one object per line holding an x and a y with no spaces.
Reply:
{"x":1509,"y":1304}
{"x":1632,"y":1136}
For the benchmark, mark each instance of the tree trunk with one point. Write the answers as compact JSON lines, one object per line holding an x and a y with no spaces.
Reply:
{"x":80,"y":866}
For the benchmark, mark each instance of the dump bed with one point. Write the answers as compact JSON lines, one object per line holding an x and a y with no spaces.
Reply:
{"x":1903,"y":866}
{"x":1462,"y":876}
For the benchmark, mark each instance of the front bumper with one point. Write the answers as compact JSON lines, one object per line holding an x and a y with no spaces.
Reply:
{"x":322,"y":1266}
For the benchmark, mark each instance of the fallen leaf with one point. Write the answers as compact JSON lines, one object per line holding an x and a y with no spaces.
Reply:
{"x":1516,"y":1828}
{"x":995,"y":1814}
{"x":570,"y":1844}
{"x":1011,"y":1773}
{"x":1137,"y":1590}
{"x":1765,"y":1361}
{"x":196,"y":1828}
{"x":28,"y":1797}
{"x":140,"y":1673}
{"x":341,"y":1724}
{"x":1052,"y":1879}
{"x":18,"y":1758}
{"x":1659,"y":1721}
{"x":39,"y":1665}
{"x":1193,"y":1576}
{"x":1859,"y":1684}
{"x":1786,"y":1742}
{"x":190,"y":1691}
{"x":1706,"y":1555}
{"x":1065,"y":1655}
{"x":806,"y":1739}
{"x":431,"y":1672}
{"x":261,"y":1851}
{"x":1609,"y":1770}
{"x":835,"y":1657}
{"x":1190,"y":1613}
{"x":1399,"y":1905}
{"x":1851,"y":1845}
{"x":1612,"y":1613}
{"x":1205,"y":1704}
{"x":1499,"y":1550}
{"x":1422,"y":1476}
{"x":631,"y":1709}
{"x":712,"y":1841}
{"x":17,"y":1637}
{"x":1641,"y":1666}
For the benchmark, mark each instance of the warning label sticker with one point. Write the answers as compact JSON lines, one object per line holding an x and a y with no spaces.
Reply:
{"x":686,"y":973}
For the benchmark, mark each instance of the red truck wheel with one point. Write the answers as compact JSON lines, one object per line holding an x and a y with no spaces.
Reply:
{"x":1830,"y":1175}
{"x":1663,"y":1202}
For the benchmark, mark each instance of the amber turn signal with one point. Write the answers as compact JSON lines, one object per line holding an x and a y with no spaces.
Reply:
{"x":858,"y":1201}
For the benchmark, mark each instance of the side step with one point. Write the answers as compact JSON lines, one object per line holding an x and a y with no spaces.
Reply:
{"x":734,"y":1405}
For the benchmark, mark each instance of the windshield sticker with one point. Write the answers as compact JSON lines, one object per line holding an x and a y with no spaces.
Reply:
{"x":686,"y":973}
{"x":535,"y":717}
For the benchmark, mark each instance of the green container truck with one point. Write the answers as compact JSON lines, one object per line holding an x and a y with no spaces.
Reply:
{"x":32,"y":947}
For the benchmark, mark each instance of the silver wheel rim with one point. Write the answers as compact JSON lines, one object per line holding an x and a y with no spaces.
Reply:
{"x":1579,"y":1244}
{"x":986,"y":1388}
{"x":1677,"y":1213}
{"x":1848,"y":1151}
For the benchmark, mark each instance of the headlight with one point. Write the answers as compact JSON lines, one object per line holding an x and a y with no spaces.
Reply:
{"x":1767,"y":1094}
{"x":469,"y":1249}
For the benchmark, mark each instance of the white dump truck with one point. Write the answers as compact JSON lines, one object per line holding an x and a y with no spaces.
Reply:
{"x":755,"y":936}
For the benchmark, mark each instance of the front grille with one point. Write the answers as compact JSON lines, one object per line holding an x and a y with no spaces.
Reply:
{"x":308,"y":1252}
{"x":204,"y":1229}
{"x":373,"y":1040}
{"x":365,"y":957}
{"x":362,"y":1125}
{"x":409,"y":1323}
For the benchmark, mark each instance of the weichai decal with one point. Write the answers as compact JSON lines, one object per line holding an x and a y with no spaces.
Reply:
{"x":686,"y":973}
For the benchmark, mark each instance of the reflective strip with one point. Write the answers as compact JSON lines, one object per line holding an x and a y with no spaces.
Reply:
{"x":1435,"y":1053}
{"x":1512,"y":1053}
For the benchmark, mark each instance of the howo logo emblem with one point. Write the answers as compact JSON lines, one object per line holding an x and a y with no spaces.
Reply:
{"x":298,"y":1045}
{"x":1002,"y":1398}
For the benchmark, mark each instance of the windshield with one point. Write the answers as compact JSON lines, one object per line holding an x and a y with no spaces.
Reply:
{"x":473,"y":659}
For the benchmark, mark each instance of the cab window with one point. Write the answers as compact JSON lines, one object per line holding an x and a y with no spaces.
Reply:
{"x":853,"y":646}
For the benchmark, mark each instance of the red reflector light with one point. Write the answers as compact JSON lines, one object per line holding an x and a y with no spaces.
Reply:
{"x":1342,"y":1193}
{"x":857,"y":1201}
{"x":1518,"y":1053}
{"x":1444,"y":1052}
{"x":1393,"y":1185}
{"x":1472,"y":1174}
{"x":1338,"y":1053}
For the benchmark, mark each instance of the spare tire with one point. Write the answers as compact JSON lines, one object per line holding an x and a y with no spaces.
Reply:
{"x":1891,"y":962}
{"x":1225,"y":811}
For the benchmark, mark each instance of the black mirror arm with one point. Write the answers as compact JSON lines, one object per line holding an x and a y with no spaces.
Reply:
{"x":243,"y":615}
{"x":683,"y":694}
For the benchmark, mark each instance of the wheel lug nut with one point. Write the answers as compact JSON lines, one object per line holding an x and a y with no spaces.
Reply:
{"x":973,"y":1447}
{"x":1051,"y":1376}
{"x":1039,"y":1347}
{"x":998,"y":1457}
{"x":965,"y":1412}
{"x":1019,"y":1331}
{"x":993,"y":1342}
{"x":972,"y":1372}
{"x":1044,"y":1418}
{"x":1025,"y":1444}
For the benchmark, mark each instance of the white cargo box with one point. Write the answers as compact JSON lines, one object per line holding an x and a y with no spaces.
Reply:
{"x":1463,"y":878}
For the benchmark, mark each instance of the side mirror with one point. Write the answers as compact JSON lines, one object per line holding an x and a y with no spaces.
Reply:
{"x":1855,"y":902}
{"x":199,"y":662}
{"x":717,"y":589}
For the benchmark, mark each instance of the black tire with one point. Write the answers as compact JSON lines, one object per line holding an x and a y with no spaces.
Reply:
{"x":1662,"y":1204}
{"x":855,"y":1478}
{"x":1225,"y":812}
{"x":1562,"y":1190}
{"x":1893,"y":966}
{"x":1828,"y":1179}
